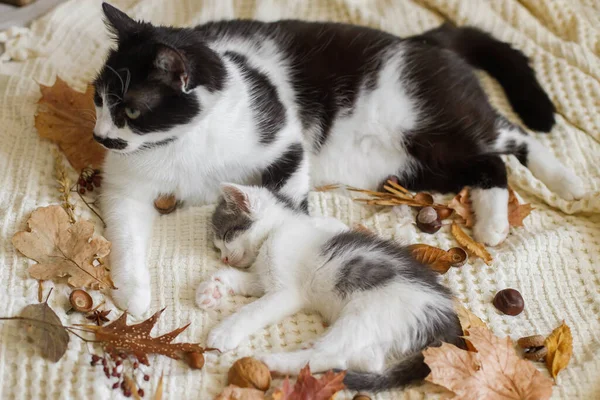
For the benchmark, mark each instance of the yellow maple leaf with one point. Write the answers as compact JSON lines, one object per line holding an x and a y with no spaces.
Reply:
{"x":560,"y":349}
{"x":468,"y":243}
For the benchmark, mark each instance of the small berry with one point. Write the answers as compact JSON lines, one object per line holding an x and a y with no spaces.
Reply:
{"x":97,"y":180}
{"x":127,"y":393}
{"x":95,"y":358}
{"x":81,"y":181}
{"x":146,"y":378}
{"x":82,"y":190}
{"x":116,"y":385}
{"x":106,"y":372}
{"x":118,"y":362}
{"x":104,"y":362}
{"x":135,"y":365}
{"x":90,"y":187}
{"x":141,"y":392}
{"x":123,"y":355}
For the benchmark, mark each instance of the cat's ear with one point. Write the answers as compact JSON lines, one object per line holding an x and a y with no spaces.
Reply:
{"x":235,"y":196}
{"x":173,"y":67}
{"x":119,"y":22}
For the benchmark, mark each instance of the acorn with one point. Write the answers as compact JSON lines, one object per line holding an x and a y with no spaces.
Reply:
{"x":195,"y":360}
{"x":509,"y":302}
{"x":428,"y":221}
{"x":81,"y":301}
{"x":458,"y":256}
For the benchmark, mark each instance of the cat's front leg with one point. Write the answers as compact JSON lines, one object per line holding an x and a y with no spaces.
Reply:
{"x":267,"y":310}
{"x":129,"y":215}
{"x":227,"y":281}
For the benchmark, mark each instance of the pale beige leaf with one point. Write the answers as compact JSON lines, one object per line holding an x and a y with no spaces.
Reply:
{"x":560,"y":349}
{"x":233,"y":392}
{"x":461,"y":204}
{"x":468,"y":320}
{"x":46,"y":331}
{"x":63,"y":249}
{"x":67,"y":117}
{"x":517,"y":212}
{"x":468,"y":243}
{"x":494,"y":372}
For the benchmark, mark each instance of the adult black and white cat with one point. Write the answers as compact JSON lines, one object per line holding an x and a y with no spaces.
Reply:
{"x":293,"y":104}
{"x":380,"y":302}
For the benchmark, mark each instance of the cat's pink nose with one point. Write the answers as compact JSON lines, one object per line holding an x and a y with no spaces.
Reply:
{"x":225,"y":260}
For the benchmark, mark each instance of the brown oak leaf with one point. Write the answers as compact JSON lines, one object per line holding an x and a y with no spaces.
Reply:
{"x":118,"y":337}
{"x":517,"y":212}
{"x":66,"y":117}
{"x":437,"y":259}
{"x":308,"y":387}
{"x":468,"y":243}
{"x":560,"y":349}
{"x":461,"y":204}
{"x":495,"y":371}
{"x":233,"y":392}
{"x":64,"y":249}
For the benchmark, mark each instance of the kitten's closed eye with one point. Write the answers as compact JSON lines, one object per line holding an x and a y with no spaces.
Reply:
{"x":132,"y":113}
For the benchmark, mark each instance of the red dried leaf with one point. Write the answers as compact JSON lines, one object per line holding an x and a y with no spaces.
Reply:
{"x":308,"y":387}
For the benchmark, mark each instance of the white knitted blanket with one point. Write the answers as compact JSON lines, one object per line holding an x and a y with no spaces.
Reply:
{"x":552,"y":261}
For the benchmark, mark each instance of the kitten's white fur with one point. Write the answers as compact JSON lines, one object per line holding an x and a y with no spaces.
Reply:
{"x":291,"y":273}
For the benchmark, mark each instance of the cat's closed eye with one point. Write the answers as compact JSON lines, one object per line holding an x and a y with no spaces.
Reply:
{"x":132,"y":113}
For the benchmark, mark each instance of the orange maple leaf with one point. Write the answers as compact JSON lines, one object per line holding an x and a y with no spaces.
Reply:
{"x":308,"y":387}
{"x":67,"y":117}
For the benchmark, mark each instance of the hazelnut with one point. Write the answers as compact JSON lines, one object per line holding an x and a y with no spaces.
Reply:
{"x":533,"y":347}
{"x":444,"y":213}
{"x":427,"y":220}
{"x":81,"y":300}
{"x":424,"y":198}
{"x":166,"y":203}
{"x":248,"y":372}
{"x":361,"y":396}
{"x":195,"y":360}
{"x":509,"y":301}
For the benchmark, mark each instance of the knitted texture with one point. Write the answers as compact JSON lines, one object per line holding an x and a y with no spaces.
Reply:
{"x":550,"y":261}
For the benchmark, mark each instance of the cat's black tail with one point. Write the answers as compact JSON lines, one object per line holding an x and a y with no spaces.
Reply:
{"x":408,"y":370}
{"x":508,"y":65}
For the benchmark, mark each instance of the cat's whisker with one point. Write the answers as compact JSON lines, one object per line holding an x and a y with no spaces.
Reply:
{"x":119,"y":76}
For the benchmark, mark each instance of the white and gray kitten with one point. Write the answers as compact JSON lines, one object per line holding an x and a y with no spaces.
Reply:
{"x":378,"y":299}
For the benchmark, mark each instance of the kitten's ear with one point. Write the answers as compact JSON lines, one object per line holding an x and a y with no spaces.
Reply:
{"x":173,"y":67}
{"x":236,"y":196}
{"x":119,"y":22}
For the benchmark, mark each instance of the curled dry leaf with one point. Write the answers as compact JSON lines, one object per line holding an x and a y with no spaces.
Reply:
{"x":517,"y":212}
{"x":233,"y":392}
{"x":439,"y":260}
{"x":118,"y":337}
{"x":461,"y":204}
{"x":64,"y":249}
{"x":309,"y":387}
{"x":560,"y":349}
{"x":468,"y":320}
{"x":45,"y":330}
{"x":495,"y":371}
{"x":66,"y":117}
{"x":473,"y":247}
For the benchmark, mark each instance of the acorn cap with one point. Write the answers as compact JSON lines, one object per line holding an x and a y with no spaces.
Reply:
{"x":81,"y":300}
{"x":458,"y":256}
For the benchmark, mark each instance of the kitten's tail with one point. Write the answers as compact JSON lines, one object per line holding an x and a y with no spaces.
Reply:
{"x":410,"y":369}
{"x":509,"y":66}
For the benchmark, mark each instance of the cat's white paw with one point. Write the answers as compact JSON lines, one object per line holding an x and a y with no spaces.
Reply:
{"x":567,"y":185}
{"x":133,"y":299}
{"x":225,"y":336}
{"x":209,"y":294}
{"x":491,"y":231}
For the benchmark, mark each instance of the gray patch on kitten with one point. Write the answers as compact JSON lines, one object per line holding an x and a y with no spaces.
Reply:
{"x":228,"y":221}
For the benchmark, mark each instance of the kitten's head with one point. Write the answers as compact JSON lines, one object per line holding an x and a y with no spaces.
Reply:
{"x":144,"y":93}
{"x":243,"y":219}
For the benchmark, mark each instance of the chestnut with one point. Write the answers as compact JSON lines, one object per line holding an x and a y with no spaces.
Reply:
{"x":509,"y":302}
{"x":428,"y":221}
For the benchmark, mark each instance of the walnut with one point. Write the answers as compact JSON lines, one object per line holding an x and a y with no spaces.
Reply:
{"x":248,"y":372}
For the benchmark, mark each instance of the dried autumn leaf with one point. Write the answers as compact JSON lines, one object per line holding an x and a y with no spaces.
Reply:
{"x":233,"y":392}
{"x":437,"y":259}
{"x":66,"y":117}
{"x":467,"y":242}
{"x":461,"y":204}
{"x":495,"y":371}
{"x":517,"y":212}
{"x":308,"y":387}
{"x":159,"y":389}
{"x":468,"y":320}
{"x":118,"y":337}
{"x":45,"y":330}
{"x":560,"y":349}
{"x":64,"y":249}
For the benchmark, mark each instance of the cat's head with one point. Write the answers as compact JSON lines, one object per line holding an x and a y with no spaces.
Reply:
{"x":242,"y":220}
{"x":152,"y":85}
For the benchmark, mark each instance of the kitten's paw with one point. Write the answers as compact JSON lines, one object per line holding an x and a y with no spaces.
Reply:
{"x":133,"y":299}
{"x":567,"y":185}
{"x":491,"y":231}
{"x":209,"y":294}
{"x":225,"y":337}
